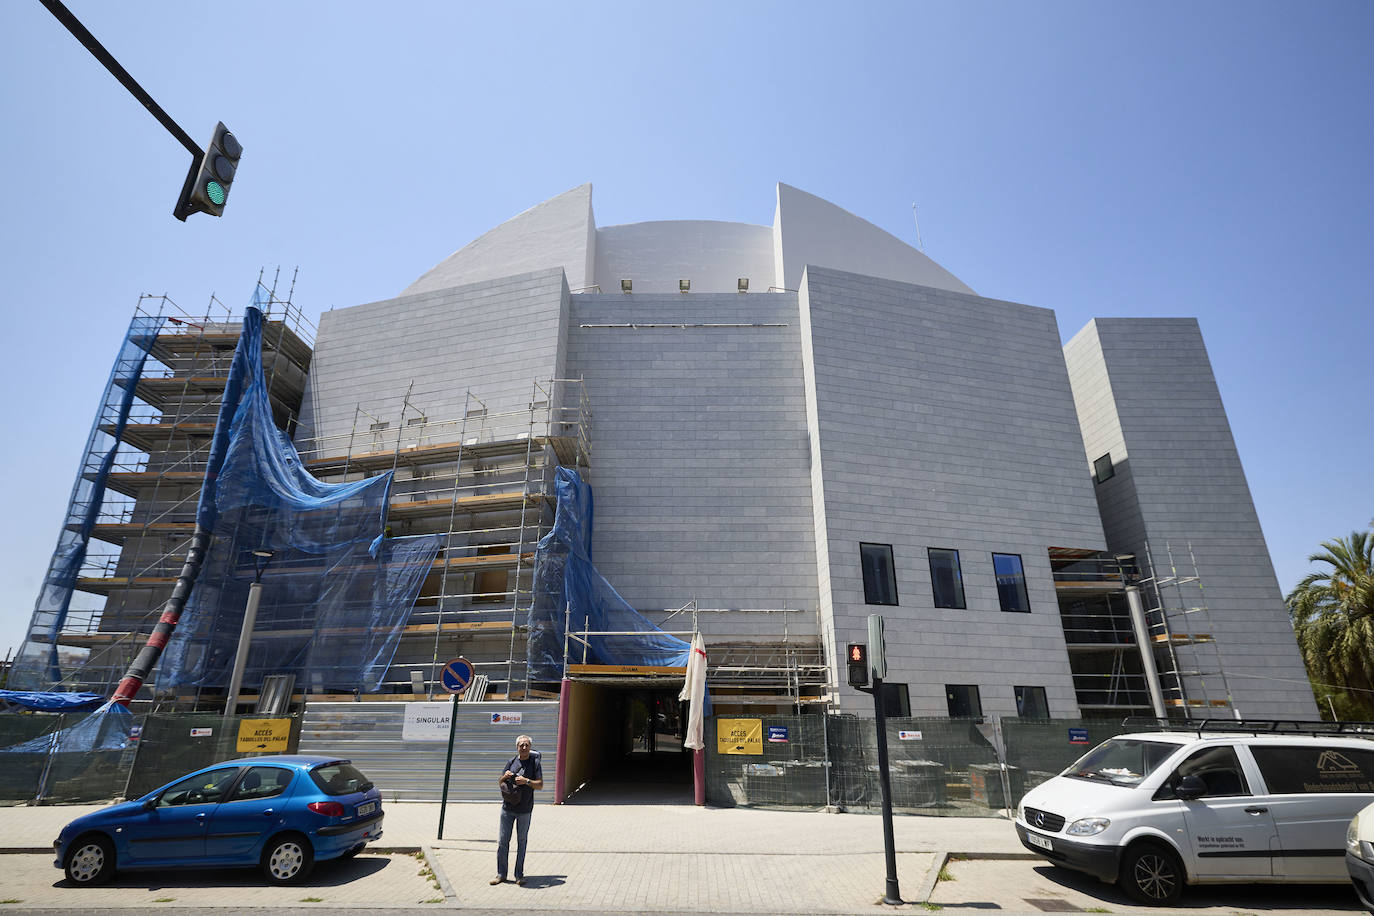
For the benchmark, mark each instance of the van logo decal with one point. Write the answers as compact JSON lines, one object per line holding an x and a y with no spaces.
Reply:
{"x":1334,"y":763}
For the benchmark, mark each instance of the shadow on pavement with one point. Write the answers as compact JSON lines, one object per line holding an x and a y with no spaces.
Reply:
{"x":325,"y":874}
{"x":541,"y":881}
{"x":1273,"y":897}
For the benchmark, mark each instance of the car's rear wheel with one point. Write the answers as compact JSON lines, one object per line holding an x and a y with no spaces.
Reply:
{"x":287,"y":859}
{"x":90,"y":860}
{"x":1152,"y":873}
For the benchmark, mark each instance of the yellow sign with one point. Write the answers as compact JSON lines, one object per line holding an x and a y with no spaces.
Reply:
{"x":739,"y":736}
{"x":272,"y":735}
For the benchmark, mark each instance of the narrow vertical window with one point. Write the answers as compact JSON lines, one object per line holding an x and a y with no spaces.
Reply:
{"x":1103,"y":469}
{"x":963,"y":701}
{"x":1031,"y":703}
{"x":880,"y":578}
{"x":1011,"y":582}
{"x":945,"y":579}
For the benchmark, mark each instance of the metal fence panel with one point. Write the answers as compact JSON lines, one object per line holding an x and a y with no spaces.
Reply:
{"x":370,"y":734}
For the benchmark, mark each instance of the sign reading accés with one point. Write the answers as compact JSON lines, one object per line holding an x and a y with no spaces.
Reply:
{"x":739,"y":736}
{"x":264,"y":735}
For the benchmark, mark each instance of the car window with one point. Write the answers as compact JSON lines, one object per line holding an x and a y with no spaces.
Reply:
{"x":261,"y":782}
{"x":1218,"y":768}
{"x":340,"y":779}
{"x":201,"y":789}
{"x":1122,"y":761}
{"x":1295,"y":769}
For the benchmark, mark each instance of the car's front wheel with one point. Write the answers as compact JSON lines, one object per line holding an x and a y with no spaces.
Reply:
{"x":90,"y":860}
{"x":1151,"y":873}
{"x":287,"y":859}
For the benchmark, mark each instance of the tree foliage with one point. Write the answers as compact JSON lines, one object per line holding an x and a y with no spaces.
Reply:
{"x":1333,"y":617}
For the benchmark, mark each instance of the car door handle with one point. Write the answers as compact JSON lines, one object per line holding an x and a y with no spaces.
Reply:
{"x":1256,"y":810}
{"x":268,"y":812}
{"x":200,"y":816}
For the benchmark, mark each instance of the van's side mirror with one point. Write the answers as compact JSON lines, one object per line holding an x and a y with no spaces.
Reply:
{"x":1190,"y":787}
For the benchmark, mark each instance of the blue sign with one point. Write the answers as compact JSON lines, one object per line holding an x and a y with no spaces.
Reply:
{"x":1078,"y":736}
{"x":457,"y":675}
{"x":777,"y":734}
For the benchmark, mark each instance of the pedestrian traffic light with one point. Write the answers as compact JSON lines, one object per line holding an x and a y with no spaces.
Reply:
{"x":858,"y":664}
{"x":214,"y":174}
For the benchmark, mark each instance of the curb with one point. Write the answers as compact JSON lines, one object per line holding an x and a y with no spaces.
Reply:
{"x":432,"y":860}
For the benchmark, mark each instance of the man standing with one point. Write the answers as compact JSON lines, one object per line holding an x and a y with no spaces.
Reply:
{"x":522,"y":776}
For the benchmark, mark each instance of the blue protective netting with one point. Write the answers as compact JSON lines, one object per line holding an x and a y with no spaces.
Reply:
{"x":106,"y":729}
{"x":38,"y":664}
{"x":335,"y":594}
{"x":567,"y":583}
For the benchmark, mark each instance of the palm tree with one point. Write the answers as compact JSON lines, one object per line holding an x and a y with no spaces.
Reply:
{"x":1333,"y":617}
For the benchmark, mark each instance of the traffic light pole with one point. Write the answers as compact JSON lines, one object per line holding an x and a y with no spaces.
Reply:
{"x":892,"y":893}
{"x":89,"y":41}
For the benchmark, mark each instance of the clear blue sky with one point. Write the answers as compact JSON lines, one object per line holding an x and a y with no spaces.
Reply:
{"x":1210,"y":160}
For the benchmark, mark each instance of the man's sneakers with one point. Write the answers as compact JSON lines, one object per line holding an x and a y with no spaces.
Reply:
{"x":499,"y":879}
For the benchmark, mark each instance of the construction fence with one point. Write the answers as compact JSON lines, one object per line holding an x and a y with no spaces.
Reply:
{"x":938,"y":766}
{"x":39,"y":764}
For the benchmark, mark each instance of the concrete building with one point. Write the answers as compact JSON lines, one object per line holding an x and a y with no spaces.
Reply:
{"x":789,"y":428}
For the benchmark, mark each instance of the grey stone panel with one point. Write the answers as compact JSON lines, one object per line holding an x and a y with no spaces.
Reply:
{"x":944,"y":419}
{"x":495,"y":338}
{"x":1146,"y":393}
{"x":700,"y":460}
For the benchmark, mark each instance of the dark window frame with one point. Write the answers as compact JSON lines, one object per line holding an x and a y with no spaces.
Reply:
{"x":975,"y":696}
{"x":1098,"y":475}
{"x":1034,"y":691}
{"x":1020,"y":583}
{"x":872,"y":590}
{"x":896,"y":700}
{"x":958,"y":578}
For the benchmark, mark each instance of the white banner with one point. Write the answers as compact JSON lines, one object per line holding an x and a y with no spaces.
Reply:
{"x":426,"y":722}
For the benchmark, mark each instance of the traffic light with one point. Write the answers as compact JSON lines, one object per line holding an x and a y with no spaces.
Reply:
{"x":213,"y":175}
{"x":858,"y":664}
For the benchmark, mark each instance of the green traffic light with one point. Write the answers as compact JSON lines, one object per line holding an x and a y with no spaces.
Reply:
{"x":215,"y":191}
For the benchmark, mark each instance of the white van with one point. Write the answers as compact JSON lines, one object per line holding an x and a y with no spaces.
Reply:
{"x":1154,"y":811}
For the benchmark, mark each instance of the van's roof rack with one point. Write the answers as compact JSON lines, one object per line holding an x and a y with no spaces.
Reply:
{"x":1253,"y":726}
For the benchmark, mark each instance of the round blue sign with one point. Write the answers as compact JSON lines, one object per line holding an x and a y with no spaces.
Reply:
{"x":457,"y":675}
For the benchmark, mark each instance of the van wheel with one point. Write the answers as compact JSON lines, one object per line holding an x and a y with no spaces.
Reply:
{"x":90,"y":861}
{"x":1151,"y":873}
{"x":287,"y":859}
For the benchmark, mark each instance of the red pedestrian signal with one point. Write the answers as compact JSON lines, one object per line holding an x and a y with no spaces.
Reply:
{"x":858,"y":664}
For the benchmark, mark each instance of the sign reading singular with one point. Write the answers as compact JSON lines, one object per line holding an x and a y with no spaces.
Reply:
{"x":272,"y":735}
{"x":739,"y":736}
{"x":777,"y":734}
{"x":426,"y":722}
{"x":202,"y":732}
{"x":505,"y":718}
{"x":905,"y":735}
{"x":1078,"y":736}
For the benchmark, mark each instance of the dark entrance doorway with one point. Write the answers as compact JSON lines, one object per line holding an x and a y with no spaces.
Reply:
{"x":638,"y":752}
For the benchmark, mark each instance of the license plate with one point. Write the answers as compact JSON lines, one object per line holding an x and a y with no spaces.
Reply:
{"x":1036,"y":839}
{"x":366,"y":809}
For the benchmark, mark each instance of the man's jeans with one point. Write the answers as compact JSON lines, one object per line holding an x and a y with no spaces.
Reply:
{"x":521,"y":823}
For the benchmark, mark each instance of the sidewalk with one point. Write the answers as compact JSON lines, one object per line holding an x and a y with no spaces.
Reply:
{"x":650,"y":857}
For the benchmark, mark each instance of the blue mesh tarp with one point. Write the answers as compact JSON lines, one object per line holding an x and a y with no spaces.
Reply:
{"x":335,"y":594}
{"x":42,"y":701}
{"x":566,"y":582}
{"x":106,"y":729}
{"x":38,"y":665}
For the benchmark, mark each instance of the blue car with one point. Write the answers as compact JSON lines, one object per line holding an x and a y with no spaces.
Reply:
{"x":282,"y":814}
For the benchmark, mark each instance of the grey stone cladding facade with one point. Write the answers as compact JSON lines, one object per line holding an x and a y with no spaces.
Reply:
{"x":1147,"y":397}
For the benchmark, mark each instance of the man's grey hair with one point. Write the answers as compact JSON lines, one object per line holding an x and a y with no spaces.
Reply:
{"x":525,"y":738}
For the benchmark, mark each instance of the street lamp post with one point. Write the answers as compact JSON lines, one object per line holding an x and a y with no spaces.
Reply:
{"x":250,"y":616}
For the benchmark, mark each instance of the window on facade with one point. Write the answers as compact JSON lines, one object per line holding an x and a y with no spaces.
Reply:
{"x":880,"y":578}
{"x":963,"y":701}
{"x":1103,"y":469}
{"x":1289,"y":770}
{"x":896,"y":700}
{"x":945,"y":578}
{"x":1011,"y":582}
{"x":1031,"y":703}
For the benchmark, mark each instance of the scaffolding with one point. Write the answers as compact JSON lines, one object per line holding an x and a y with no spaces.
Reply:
{"x":140,"y":480}
{"x":483,"y":481}
{"x":1192,"y":677}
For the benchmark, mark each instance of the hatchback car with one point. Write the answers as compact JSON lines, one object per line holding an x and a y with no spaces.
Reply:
{"x":282,"y":814}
